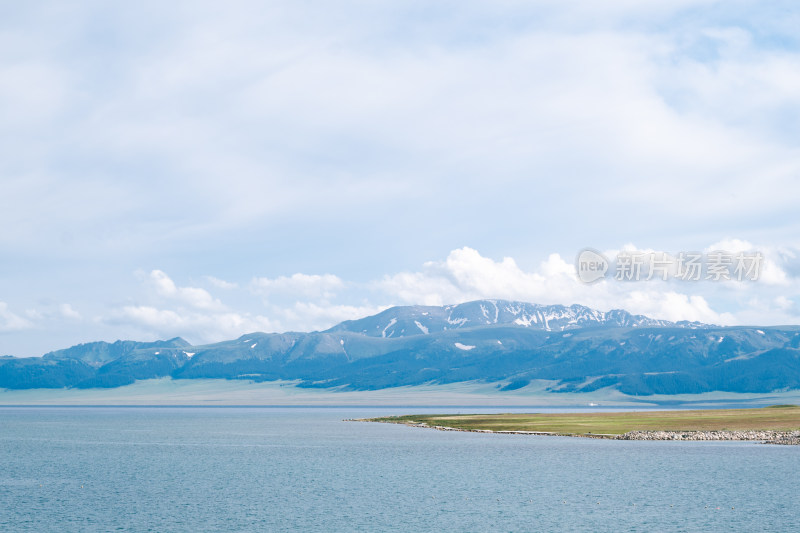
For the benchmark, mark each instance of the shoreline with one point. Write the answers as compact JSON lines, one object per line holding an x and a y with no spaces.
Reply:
{"x":166,"y":391}
{"x":783,"y":438}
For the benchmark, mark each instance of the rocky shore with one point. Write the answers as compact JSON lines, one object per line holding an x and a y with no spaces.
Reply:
{"x":762,"y":436}
{"x":766,"y":437}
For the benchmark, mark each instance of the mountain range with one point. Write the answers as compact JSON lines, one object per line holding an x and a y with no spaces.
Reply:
{"x":575,"y":348}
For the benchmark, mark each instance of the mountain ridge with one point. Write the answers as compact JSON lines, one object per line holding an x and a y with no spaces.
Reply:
{"x":410,"y":320}
{"x":507,"y":343}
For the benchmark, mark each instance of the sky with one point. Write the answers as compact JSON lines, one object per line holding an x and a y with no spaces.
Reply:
{"x":208,"y":169}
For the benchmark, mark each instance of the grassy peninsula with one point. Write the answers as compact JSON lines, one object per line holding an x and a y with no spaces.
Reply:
{"x":711,"y":424}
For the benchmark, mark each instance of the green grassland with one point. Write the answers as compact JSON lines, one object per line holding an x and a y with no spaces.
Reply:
{"x":778,"y":417}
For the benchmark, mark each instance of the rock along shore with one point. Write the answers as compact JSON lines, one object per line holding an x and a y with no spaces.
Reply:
{"x":766,"y":437}
{"x":763,"y":436}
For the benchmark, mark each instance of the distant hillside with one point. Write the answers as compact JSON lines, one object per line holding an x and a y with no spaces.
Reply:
{"x":507,"y":343}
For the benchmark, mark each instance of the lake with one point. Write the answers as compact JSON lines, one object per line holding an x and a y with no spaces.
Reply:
{"x":305,"y":469}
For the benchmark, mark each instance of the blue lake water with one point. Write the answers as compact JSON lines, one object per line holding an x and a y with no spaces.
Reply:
{"x":298,"y":469}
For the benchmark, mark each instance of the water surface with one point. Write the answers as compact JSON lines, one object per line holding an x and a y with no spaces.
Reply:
{"x":299,"y":469}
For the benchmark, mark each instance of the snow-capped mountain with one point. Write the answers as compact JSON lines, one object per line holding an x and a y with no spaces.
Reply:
{"x":512,"y":344}
{"x":406,"y":321}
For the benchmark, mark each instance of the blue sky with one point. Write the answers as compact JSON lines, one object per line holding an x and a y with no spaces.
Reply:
{"x":207,"y":169}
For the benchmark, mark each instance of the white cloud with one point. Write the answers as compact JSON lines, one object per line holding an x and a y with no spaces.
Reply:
{"x":304,"y":302}
{"x":191,"y":296}
{"x":67,"y":311}
{"x":190,"y":312}
{"x":51,"y":313}
{"x":197,"y":327}
{"x":770,"y":272}
{"x":305,"y":316}
{"x":770,"y":310}
{"x":467,"y":275}
{"x":670,"y":305}
{"x":10,"y":321}
{"x":193,"y":313}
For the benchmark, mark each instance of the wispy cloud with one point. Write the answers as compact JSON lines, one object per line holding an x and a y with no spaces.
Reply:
{"x":221,"y":283}
{"x":10,"y":321}
{"x":198,"y":327}
{"x":300,"y":285}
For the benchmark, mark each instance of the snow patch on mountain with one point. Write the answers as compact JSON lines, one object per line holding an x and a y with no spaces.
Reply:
{"x":456,"y":321}
{"x":391,"y":323}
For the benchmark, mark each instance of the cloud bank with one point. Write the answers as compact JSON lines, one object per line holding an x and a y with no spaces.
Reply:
{"x":284,"y":165}
{"x":305,"y":302}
